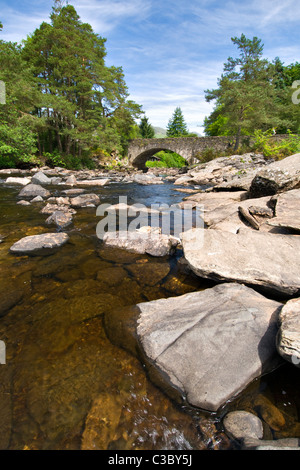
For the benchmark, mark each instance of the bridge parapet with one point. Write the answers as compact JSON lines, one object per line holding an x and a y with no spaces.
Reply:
{"x":140,"y":150}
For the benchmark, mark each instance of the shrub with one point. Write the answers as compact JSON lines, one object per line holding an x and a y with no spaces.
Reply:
{"x":271,"y":148}
{"x":17,"y":147}
{"x":168,"y":159}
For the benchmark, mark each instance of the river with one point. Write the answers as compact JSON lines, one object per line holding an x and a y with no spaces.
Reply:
{"x":64,"y":384}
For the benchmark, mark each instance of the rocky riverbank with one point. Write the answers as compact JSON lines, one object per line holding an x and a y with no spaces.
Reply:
{"x":205,"y":347}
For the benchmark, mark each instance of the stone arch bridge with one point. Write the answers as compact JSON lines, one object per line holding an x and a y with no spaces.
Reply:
{"x":141,"y":150}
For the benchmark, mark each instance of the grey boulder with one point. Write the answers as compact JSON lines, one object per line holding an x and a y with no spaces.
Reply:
{"x":38,"y":245}
{"x":85,"y":200}
{"x":211,"y":344}
{"x":262,"y":259}
{"x":278,"y":176}
{"x":143,"y":242}
{"x":242,"y":424}
{"x":33,"y":190}
{"x":60,"y":218}
{"x":40,"y":178}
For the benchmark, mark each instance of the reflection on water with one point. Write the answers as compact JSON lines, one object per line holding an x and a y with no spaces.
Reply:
{"x":65,"y":386}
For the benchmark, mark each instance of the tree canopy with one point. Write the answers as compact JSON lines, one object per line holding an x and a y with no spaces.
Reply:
{"x":177,"y":126}
{"x":146,"y":130}
{"x":61,"y":92}
{"x":250,"y":94}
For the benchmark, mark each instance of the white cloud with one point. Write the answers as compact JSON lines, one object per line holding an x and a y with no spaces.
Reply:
{"x":172,"y":51}
{"x":18,"y":25}
{"x":105,"y":15}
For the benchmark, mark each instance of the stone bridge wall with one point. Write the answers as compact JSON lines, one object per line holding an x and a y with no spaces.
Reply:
{"x":140,"y":150}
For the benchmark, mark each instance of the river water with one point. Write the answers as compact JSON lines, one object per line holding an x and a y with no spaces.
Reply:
{"x":64,"y":384}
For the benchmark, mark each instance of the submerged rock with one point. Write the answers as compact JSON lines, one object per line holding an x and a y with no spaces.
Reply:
{"x":278,"y":444}
{"x":10,"y":298}
{"x":60,"y":219}
{"x":242,"y":424}
{"x":23,"y":203}
{"x":208,"y":345}
{"x":268,"y":260}
{"x":38,"y":245}
{"x":51,"y":208}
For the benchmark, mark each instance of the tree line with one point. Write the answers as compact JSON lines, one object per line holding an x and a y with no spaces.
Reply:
{"x":253,"y":94}
{"x":177,"y":127}
{"x":254,"y":97}
{"x":64,"y":105}
{"x":62,"y":101}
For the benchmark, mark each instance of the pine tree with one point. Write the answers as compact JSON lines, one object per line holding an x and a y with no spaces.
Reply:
{"x":177,"y":126}
{"x":247,"y":92}
{"x":146,"y":130}
{"x":80,"y":97}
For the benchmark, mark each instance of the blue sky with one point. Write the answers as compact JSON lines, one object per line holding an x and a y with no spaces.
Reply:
{"x":171,"y":50}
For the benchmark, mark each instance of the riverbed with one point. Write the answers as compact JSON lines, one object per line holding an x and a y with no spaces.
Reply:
{"x":64,"y":384}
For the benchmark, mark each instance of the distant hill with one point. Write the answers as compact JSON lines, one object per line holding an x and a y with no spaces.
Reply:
{"x":160,"y":132}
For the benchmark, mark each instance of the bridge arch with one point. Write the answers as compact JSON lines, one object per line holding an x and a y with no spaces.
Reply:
{"x":141,"y":159}
{"x":140,"y":150}
{"x":190,"y":148}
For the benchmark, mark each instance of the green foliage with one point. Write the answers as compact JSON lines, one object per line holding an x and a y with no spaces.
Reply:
{"x":60,"y":89}
{"x":209,"y":154}
{"x":248,"y":95}
{"x":167,"y":160}
{"x":177,"y":126}
{"x":145,"y":128}
{"x":216,"y":123}
{"x":17,"y":146}
{"x":271,"y":148}
{"x":68,"y":161}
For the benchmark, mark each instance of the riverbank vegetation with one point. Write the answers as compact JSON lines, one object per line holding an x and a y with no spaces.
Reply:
{"x":63,"y":104}
{"x":167,"y":159}
{"x":254,"y":95}
{"x":65,"y":107}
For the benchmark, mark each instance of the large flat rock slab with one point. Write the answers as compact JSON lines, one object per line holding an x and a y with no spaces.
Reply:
{"x":95,"y":182}
{"x":210,"y":201}
{"x":259,"y":259}
{"x":43,"y":244}
{"x":18,"y":181}
{"x":211,"y":344}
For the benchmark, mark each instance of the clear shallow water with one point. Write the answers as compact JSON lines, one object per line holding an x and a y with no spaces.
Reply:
{"x":65,"y":386}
